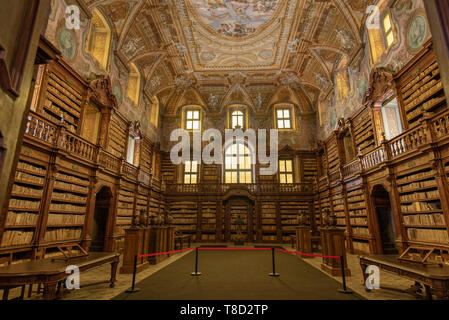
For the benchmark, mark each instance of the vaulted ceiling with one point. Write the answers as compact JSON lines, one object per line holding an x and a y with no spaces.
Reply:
{"x":215,"y":52}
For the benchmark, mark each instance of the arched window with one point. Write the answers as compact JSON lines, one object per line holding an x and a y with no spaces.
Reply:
{"x":99,"y":39}
{"x":155,"y":112}
{"x":238,"y":168}
{"x":381,"y":35}
{"x":133,"y":90}
{"x":237,"y":117}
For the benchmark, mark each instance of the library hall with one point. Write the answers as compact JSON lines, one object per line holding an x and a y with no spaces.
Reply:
{"x":271,"y":151}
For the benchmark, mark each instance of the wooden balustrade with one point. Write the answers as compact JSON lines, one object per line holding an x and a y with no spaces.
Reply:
{"x":351,"y":168}
{"x":130,"y":170}
{"x":109,"y":161}
{"x":334,"y":176}
{"x":408,"y":141}
{"x":144,"y":177}
{"x":40,"y":129}
{"x":76,"y":145}
{"x":251,"y":187}
{"x":374,"y":158}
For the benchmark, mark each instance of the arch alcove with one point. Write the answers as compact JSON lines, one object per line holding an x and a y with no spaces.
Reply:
{"x":100,"y":231}
{"x":383,"y":213}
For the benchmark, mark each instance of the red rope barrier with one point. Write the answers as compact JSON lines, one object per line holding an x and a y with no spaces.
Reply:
{"x":160,"y":253}
{"x":212,"y":248}
{"x":308,"y":254}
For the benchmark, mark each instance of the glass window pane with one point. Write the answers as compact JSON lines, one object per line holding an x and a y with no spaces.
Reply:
{"x":248,"y":177}
{"x":289,"y":178}
{"x":186,"y":178}
{"x":286,"y":113}
{"x":189,"y":125}
{"x":282,"y":165}
{"x":228,"y":178}
{"x":234,"y":163}
{"x":196,"y":115}
{"x":288,"y":164}
{"x":280,"y":124}
{"x":193,"y":178}
{"x":194,"y":166}
{"x":282,"y":178}
{"x":387,"y":23}
{"x":234,"y":177}
{"x":280,"y":114}
{"x":287,"y":124}
{"x":242,"y":177}
{"x":189,"y":114}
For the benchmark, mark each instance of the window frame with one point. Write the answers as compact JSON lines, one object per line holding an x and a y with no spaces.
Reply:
{"x":244,"y":115}
{"x":105,"y":64}
{"x":185,"y":119}
{"x":385,"y":33}
{"x":285,"y":172}
{"x":190,"y":173}
{"x":290,"y":108}
{"x":237,"y":156}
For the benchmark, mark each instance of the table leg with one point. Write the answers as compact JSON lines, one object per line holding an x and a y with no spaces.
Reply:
{"x":114,"y":266}
{"x":50,"y":290}
{"x":5,"y":293}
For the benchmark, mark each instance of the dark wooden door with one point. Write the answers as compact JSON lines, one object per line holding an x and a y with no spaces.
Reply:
{"x":236,"y":208}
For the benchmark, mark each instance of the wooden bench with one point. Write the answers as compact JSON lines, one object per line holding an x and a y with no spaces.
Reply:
{"x":51,"y":273}
{"x":180,"y":238}
{"x":435,"y":278}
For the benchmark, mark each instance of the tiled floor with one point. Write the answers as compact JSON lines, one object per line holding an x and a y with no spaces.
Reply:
{"x":103,"y":292}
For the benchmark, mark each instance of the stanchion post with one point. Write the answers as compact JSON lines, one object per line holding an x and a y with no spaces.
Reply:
{"x":196,"y":273}
{"x":345,"y":289}
{"x":273,"y":274}
{"x":133,"y":288}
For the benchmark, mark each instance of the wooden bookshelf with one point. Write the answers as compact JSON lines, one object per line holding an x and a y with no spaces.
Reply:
{"x":421,"y":209}
{"x":358,"y":218}
{"x":420,"y":89}
{"x":363,"y":130}
{"x":289,"y":211}
{"x":117,"y":135}
{"x":184,"y":216}
{"x":268,"y":219}
{"x":208,"y":220}
{"x":309,"y":169}
{"x":25,"y":205}
{"x":333,"y":159}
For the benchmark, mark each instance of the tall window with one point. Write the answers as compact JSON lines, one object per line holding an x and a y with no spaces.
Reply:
{"x":286,"y":171}
{"x":130,"y":154}
{"x":284,"y":118}
{"x":133,"y":90}
{"x":237,"y":118}
{"x":191,"y":172}
{"x":391,"y":118}
{"x":238,"y":167}
{"x":192,"y":119}
{"x":99,"y":39}
{"x":388,"y":30}
{"x":155,"y":112}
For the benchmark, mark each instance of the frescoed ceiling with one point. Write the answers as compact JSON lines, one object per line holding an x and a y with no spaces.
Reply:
{"x":221,"y":47}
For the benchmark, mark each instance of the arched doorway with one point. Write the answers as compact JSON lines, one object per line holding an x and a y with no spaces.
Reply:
{"x":100,"y":221}
{"x":384,"y":216}
{"x":239,"y":214}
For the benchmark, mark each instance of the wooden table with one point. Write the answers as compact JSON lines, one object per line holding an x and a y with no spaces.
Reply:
{"x":434,"y":278}
{"x":51,"y":273}
{"x":181,"y":238}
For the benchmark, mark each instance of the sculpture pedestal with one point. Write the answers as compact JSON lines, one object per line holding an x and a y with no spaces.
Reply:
{"x":333,"y":244}
{"x":134,"y":245}
{"x":304,"y":240}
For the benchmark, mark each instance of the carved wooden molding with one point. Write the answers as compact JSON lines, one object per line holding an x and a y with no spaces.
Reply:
{"x":11,"y":76}
{"x":381,"y":81}
{"x":101,"y":93}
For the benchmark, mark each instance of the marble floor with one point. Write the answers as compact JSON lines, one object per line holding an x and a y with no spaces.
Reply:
{"x":103,"y":292}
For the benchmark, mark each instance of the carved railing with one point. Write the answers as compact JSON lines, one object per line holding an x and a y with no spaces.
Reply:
{"x":374,"y":158}
{"x":40,"y":129}
{"x":130,"y":170}
{"x":144,"y":177}
{"x":351,"y":168}
{"x":109,"y":161}
{"x":251,"y":188}
{"x":408,"y":141}
{"x":76,"y":145}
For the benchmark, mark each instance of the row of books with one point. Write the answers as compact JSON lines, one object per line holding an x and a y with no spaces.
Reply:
{"x":415,"y":176}
{"x":66,"y":88}
{"x":22,"y":218}
{"x":424,"y":219}
{"x":62,"y":234}
{"x":29,"y":167}
{"x":29,"y":177}
{"x":26,"y":191}
{"x":418,"y":184}
{"x":360,"y":231}
{"x":71,"y":178}
{"x":360,"y":246}
{"x":68,"y":196}
{"x":268,"y":221}
{"x":418,"y":92}
{"x":425,"y":94}
{"x":56,"y":110}
{"x":67,"y":207}
{"x":269,"y":238}
{"x":420,"y":195}
{"x":432,"y":235}
{"x":26,"y":204}
{"x":421,"y":206}
{"x":411,"y":85}
{"x":16,"y":237}
{"x":70,"y":187}
{"x":269,"y":227}
{"x":65,"y":219}
{"x":359,"y":221}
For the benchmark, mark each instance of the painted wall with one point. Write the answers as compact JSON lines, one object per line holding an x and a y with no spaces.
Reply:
{"x":72,"y":45}
{"x":412,"y":31}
